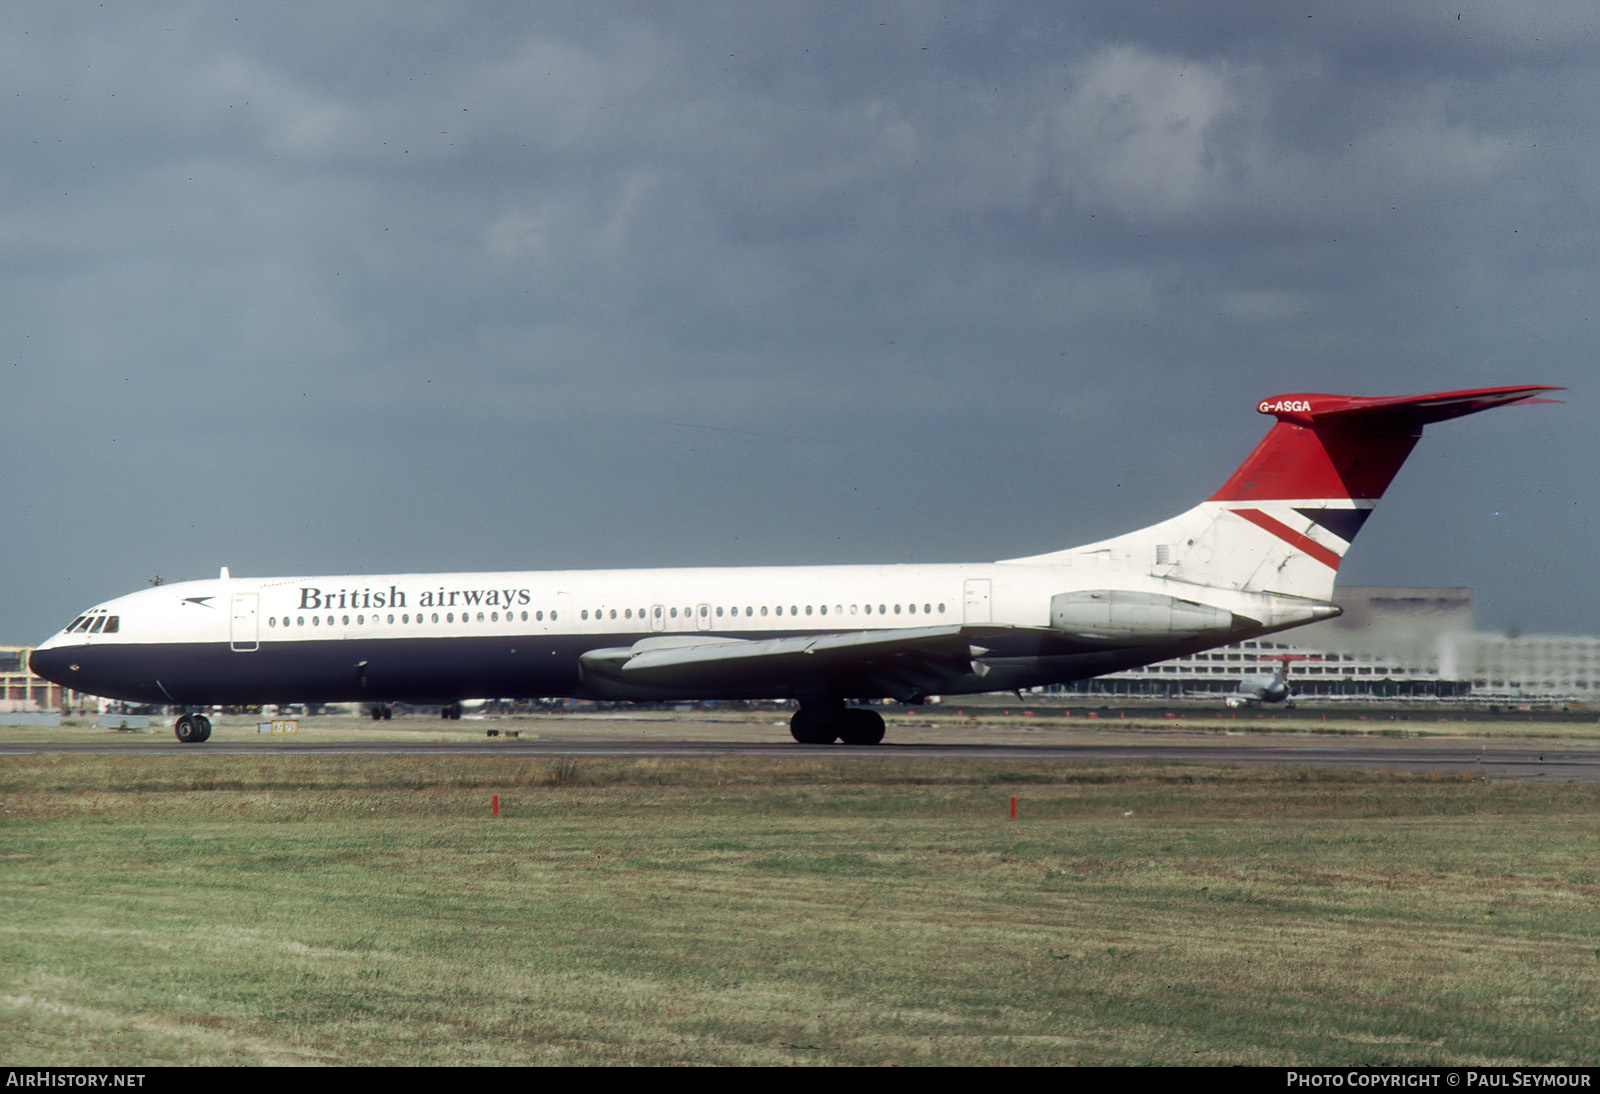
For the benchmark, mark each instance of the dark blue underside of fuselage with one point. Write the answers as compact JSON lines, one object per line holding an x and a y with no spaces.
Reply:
{"x":321,"y":672}
{"x":501,"y":666}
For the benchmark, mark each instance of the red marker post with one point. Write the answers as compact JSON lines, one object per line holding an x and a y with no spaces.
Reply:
{"x":497,"y":805}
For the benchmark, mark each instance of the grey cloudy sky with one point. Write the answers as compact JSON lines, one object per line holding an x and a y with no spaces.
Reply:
{"x":363,"y":287}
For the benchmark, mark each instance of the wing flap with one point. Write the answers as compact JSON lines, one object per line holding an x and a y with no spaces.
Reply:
{"x":736,"y":651}
{"x":902,"y":662}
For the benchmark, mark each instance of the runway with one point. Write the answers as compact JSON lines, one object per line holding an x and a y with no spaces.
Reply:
{"x":1520,"y":760}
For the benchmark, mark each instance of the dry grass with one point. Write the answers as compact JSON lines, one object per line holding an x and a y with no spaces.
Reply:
{"x":286,"y":909}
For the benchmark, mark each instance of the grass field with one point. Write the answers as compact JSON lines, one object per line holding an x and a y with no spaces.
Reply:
{"x":193,"y":909}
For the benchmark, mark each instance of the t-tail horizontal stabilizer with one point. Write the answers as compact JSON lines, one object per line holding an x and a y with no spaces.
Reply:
{"x":1347,"y":448}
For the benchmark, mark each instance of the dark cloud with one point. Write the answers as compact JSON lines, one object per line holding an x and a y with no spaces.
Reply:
{"x":357,"y":287}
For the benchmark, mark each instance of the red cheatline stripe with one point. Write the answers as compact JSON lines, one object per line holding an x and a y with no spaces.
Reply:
{"x":1304,"y":544}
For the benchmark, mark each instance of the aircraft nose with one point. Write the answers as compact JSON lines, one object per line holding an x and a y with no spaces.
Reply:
{"x":52,"y":664}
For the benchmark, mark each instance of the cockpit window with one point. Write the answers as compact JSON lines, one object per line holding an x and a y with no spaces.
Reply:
{"x":112,"y":623}
{"x":99,"y":621}
{"x":74,"y":624}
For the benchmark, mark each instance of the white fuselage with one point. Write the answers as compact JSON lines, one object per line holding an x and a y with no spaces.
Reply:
{"x":519,"y":634}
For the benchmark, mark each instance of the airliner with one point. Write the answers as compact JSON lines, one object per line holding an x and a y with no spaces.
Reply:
{"x":1259,"y":556}
{"x":1263,"y":688}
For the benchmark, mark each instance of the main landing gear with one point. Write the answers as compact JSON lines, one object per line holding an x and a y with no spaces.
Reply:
{"x":822,"y":725}
{"x":192,"y":729}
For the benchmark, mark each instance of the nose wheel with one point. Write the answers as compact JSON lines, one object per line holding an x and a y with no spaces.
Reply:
{"x":192,"y":729}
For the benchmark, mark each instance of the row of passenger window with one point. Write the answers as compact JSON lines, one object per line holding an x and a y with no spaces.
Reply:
{"x":659,"y":612}
{"x":405,"y":619}
{"x":706,"y":611}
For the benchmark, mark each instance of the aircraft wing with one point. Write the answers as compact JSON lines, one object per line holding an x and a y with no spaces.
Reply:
{"x":903,"y":663}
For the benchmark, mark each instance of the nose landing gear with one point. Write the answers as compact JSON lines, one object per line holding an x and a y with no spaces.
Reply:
{"x":192,"y":729}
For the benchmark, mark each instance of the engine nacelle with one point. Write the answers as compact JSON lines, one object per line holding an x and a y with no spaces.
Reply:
{"x":1118,"y":615}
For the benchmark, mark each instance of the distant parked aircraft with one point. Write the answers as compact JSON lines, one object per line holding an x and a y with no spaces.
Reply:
{"x":1268,"y":687}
